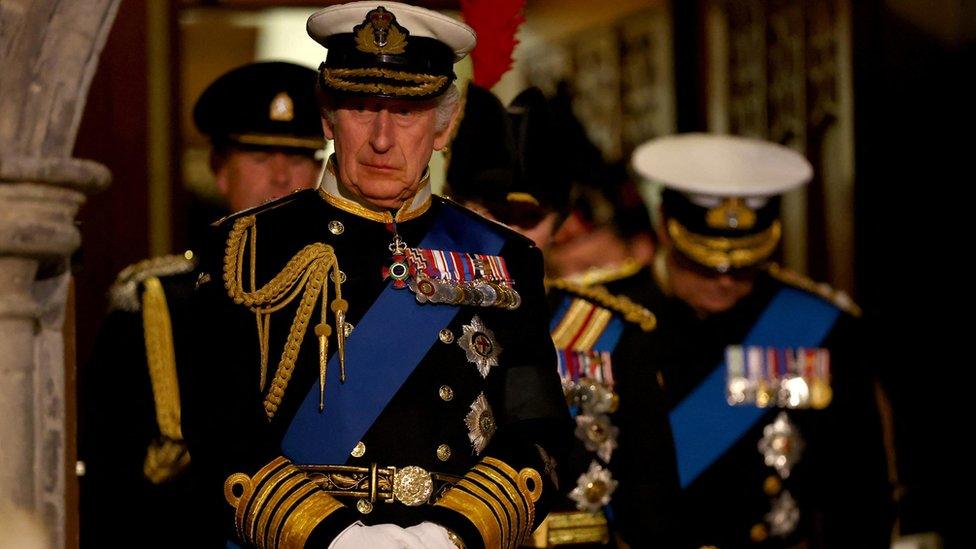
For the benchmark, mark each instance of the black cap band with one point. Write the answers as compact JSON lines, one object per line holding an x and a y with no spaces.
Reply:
{"x":423,"y":71}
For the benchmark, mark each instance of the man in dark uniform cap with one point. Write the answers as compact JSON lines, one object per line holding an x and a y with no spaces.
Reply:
{"x":622,"y":464}
{"x":264,"y":127}
{"x":263,"y":121}
{"x":373,"y":367}
{"x":778,"y":437}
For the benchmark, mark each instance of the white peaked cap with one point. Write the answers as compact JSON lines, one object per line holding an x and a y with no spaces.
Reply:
{"x":341,"y":18}
{"x":722,"y":165}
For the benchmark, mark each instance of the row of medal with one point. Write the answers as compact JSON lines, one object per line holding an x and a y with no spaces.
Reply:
{"x":772,"y":377}
{"x":587,"y":378}
{"x":457,"y":278}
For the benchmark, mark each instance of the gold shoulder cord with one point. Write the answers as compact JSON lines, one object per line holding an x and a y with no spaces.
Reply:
{"x":632,"y":311}
{"x":306,"y":273}
{"x":166,"y":457}
{"x":837,"y":297}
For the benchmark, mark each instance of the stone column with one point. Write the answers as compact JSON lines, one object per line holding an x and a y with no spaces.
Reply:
{"x":49,"y":51}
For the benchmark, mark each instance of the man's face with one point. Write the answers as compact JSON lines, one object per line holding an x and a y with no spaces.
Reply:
{"x":591,"y":247}
{"x":383,"y":147}
{"x":707,"y":292}
{"x":249,"y":178}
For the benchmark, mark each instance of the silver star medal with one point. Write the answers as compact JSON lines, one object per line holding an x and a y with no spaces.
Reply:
{"x":481,"y":424}
{"x":598,"y":434}
{"x":480,"y":346}
{"x":593,"y":488}
{"x":784,"y":515}
{"x":595,"y":397}
{"x":781,"y":445}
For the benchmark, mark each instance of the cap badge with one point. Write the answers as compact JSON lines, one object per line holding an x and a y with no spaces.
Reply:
{"x":732,"y":213}
{"x":380,"y":33}
{"x":282,"y":108}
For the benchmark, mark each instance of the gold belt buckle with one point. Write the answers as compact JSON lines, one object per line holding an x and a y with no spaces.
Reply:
{"x":412,"y":486}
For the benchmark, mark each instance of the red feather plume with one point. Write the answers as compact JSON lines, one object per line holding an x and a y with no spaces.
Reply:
{"x":495,"y":22}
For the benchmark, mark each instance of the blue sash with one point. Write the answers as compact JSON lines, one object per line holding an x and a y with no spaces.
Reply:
{"x":380,"y":354}
{"x":704,"y":424}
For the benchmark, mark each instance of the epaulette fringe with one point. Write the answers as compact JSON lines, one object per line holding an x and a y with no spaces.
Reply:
{"x":124,"y":292}
{"x":632,"y":312}
{"x":822,"y":289}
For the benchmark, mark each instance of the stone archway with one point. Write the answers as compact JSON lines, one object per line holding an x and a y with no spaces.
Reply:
{"x":49,"y":50}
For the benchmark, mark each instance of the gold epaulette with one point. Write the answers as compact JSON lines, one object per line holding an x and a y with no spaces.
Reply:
{"x":838,"y":297}
{"x":124,"y":292}
{"x":609,"y":273}
{"x":631,"y":312}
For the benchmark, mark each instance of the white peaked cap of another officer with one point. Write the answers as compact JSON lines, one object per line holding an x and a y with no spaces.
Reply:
{"x":722,"y":165}
{"x":342,"y":18}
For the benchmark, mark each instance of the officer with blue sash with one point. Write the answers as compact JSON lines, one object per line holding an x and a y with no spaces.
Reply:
{"x":769,"y":385}
{"x":373,"y":363}
{"x":622,"y":462}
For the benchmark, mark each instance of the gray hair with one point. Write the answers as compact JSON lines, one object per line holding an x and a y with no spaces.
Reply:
{"x":445,"y":105}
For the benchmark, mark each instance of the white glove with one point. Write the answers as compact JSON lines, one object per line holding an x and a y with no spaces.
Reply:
{"x":425,"y":535}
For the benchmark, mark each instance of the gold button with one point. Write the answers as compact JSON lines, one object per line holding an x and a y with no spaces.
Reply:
{"x":446,"y":393}
{"x":336,"y":227}
{"x":359,"y":451}
{"x":443,"y":452}
{"x":347,"y":329}
{"x":772,"y":485}
{"x":446,"y":336}
{"x":758,"y":532}
{"x":364,"y":506}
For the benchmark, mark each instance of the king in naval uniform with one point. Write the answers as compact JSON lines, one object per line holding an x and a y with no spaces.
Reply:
{"x":373,"y":364}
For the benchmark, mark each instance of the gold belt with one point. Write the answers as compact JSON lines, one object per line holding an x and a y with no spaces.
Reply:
{"x":409,"y":485}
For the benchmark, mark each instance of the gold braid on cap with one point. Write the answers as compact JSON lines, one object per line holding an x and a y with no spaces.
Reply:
{"x":278,"y":507}
{"x":167,"y":456}
{"x":306,"y":273}
{"x":719,"y":252}
{"x":425,"y":83}
{"x":499,"y":501}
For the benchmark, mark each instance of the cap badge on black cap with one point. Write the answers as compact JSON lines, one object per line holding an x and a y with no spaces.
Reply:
{"x":380,"y":33}
{"x":282,"y":108}
{"x":732,"y":213}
